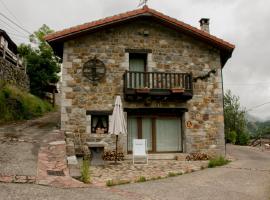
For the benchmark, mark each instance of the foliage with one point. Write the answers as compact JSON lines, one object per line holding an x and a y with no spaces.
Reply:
{"x":218,"y":161}
{"x":18,"y":105}
{"x":141,"y":179}
{"x":234,"y":117}
{"x":231,"y":137}
{"x":42,"y":64}
{"x":243,"y":138}
{"x":85,"y":174}
{"x":258,"y":129}
{"x":172,"y":174}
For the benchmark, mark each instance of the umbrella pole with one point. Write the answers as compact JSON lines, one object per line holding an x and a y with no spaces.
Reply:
{"x":115,"y":161}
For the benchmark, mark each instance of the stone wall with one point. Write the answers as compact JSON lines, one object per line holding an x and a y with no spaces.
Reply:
{"x":172,"y":51}
{"x":13,"y":75}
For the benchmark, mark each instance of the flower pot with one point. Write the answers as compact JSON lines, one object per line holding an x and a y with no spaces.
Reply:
{"x":143,"y":90}
{"x":177,"y":90}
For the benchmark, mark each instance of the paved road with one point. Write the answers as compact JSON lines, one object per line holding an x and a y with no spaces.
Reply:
{"x":247,"y":178}
{"x":19,"y":156}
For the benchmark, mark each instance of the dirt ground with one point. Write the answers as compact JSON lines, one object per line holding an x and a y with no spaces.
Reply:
{"x":20,"y":142}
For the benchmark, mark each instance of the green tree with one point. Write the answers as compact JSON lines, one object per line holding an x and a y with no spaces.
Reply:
{"x":235,"y":120}
{"x":42,"y":64}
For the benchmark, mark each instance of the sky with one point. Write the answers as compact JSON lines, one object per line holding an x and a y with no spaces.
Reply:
{"x":243,"y":23}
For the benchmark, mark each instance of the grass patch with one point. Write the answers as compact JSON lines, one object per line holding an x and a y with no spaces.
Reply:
{"x":218,"y":161}
{"x":110,"y":183}
{"x":141,"y":179}
{"x":172,"y":174}
{"x":85,"y":174}
{"x":16,"y":104}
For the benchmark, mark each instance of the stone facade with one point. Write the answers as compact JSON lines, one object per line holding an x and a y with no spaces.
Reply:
{"x":172,"y":51}
{"x":13,"y":75}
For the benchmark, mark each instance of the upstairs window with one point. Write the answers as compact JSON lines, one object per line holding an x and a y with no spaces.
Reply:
{"x":137,"y":62}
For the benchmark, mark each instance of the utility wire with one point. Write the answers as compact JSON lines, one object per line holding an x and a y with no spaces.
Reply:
{"x":14,"y":23}
{"x":14,"y":34}
{"x":10,"y":27}
{"x":9,"y":11}
{"x":260,"y":105}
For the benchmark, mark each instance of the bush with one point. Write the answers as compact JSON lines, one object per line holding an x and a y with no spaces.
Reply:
{"x":85,"y":171}
{"x":243,"y":138}
{"x":16,"y":104}
{"x":231,"y":137}
{"x":218,"y":161}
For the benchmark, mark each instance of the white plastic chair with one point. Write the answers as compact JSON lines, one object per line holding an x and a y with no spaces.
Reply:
{"x":140,"y":149}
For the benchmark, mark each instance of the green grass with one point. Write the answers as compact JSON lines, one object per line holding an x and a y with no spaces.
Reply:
{"x":85,"y":174}
{"x":218,"y":161}
{"x":172,"y":174}
{"x":110,"y":183}
{"x":16,"y":104}
{"x":141,"y":179}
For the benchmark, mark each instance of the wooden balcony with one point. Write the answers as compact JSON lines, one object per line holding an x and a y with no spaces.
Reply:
{"x":157,"y":85}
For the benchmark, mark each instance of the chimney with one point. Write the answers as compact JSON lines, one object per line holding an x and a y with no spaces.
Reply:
{"x":204,"y":23}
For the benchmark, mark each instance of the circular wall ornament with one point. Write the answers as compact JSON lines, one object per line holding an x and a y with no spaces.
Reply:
{"x":94,"y":69}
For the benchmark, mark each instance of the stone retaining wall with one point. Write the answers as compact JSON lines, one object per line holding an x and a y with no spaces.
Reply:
{"x":13,"y":75}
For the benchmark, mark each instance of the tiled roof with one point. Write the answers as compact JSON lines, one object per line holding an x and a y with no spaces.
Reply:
{"x":135,"y":13}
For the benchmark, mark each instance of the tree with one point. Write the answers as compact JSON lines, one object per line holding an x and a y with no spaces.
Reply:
{"x":42,"y":64}
{"x":235,"y":120}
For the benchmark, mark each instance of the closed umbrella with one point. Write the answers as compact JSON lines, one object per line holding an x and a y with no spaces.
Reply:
{"x":117,"y":125}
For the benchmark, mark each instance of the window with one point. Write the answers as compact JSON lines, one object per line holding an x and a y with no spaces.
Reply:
{"x":163,"y":133}
{"x":99,"y":124}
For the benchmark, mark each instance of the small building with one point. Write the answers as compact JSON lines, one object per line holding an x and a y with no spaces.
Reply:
{"x":8,"y":49}
{"x":168,"y":73}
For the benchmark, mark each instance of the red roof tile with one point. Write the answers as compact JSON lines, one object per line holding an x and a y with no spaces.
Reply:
{"x":64,"y":34}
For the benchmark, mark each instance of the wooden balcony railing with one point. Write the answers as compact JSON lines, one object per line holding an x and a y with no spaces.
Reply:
{"x":157,"y":80}
{"x":158,"y":84}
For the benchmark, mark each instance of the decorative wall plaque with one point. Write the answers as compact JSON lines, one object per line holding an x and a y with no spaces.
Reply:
{"x":94,"y":69}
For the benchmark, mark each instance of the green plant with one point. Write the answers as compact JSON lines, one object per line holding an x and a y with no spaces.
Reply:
{"x":85,"y":173}
{"x":218,"y":161}
{"x":110,"y":183}
{"x":243,"y":138}
{"x":172,"y":174}
{"x":141,"y":179}
{"x":16,"y":104}
{"x":231,"y":137}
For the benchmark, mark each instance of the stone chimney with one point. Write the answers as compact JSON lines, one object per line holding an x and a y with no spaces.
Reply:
{"x":204,"y":23}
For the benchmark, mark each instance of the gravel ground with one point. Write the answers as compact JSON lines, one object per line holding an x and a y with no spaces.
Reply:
{"x":20,"y":142}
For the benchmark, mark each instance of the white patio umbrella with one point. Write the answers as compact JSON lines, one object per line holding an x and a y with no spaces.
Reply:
{"x":117,"y":125}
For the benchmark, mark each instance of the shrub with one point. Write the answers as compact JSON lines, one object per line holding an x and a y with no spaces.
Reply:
{"x":16,"y":104}
{"x":85,"y":174}
{"x":243,"y":138}
{"x":218,"y":161}
{"x":231,"y":137}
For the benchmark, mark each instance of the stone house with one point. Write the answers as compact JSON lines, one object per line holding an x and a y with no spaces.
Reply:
{"x":168,"y":73}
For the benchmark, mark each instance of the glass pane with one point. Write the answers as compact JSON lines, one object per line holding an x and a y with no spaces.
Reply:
{"x":168,"y":135}
{"x":147,"y":132}
{"x":137,"y":65}
{"x":132,"y":131}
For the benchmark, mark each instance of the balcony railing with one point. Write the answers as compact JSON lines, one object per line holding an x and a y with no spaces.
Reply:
{"x":163,"y":82}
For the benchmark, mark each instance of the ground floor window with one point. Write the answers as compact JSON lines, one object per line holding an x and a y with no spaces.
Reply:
{"x":163,"y":133}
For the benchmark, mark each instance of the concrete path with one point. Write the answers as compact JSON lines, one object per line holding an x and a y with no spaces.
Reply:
{"x":20,"y":143}
{"x":246,"y":178}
